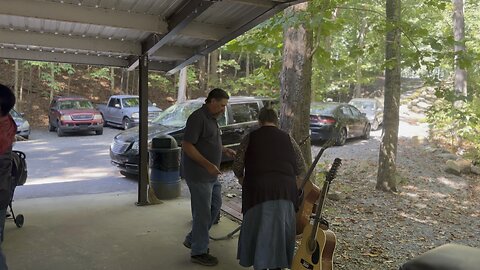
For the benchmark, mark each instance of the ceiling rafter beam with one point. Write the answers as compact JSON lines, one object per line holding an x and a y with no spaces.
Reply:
{"x":62,"y":57}
{"x":82,"y":14}
{"x":176,"y":23}
{"x":173,"y":53}
{"x":69,"y":42}
{"x":257,"y":3}
{"x":204,"y":31}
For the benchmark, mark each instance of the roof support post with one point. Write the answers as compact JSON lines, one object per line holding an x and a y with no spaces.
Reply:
{"x":143,"y":136}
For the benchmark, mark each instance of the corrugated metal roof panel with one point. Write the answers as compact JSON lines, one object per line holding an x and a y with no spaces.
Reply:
{"x":118,"y":28}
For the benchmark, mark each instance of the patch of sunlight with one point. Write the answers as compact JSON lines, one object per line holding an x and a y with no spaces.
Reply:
{"x":33,"y":142}
{"x":45,"y":148}
{"x":456,"y":184}
{"x":72,"y":175}
{"x":411,"y":195}
{"x":436,"y":195}
{"x":421,"y":205}
{"x":64,"y":153}
{"x":423,"y":221}
{"x":99,"y":154}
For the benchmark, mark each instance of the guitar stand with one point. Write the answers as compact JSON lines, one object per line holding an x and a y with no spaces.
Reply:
{"x":228,"y":236}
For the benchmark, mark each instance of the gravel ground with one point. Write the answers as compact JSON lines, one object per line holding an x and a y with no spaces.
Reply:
{"x":378,"y":230}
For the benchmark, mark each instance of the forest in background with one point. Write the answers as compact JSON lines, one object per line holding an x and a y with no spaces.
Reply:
{"x":348,"y":60}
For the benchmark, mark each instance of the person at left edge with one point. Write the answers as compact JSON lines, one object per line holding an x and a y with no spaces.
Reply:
{"x":8,"y":129}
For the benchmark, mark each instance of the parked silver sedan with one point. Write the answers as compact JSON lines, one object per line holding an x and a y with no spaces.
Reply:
{"x":23,"y":127}
{"x":372,"y":108}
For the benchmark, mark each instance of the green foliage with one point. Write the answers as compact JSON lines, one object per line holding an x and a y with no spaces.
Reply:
{"x":100,"y":73}
{"x":455,"y":119}
{"x":259,"y":83}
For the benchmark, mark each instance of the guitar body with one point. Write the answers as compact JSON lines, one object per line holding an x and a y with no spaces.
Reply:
{"x":307,"y":207}
{"x":321,"y":258}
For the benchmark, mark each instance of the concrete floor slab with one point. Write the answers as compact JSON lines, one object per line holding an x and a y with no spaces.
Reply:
{"x":107,"y":231}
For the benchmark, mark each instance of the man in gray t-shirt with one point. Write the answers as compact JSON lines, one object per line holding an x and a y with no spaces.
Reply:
{"x":202,"y":154}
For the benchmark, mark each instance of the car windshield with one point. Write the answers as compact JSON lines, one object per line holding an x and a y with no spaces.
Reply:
{"x":177,"y":115}
{"x":75,"y":104}
{"x":133,"y":102}
{"x":363,"y":104}
{"x":323,"y":108}
{"x":15,"y":114}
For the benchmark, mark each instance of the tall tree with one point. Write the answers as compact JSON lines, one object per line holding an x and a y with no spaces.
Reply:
{"x":295,"y":79}
{"x":459,"y":36}
{"x":386,"y":177}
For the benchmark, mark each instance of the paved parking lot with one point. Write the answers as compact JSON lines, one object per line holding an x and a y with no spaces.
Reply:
{"x":74,"y":164}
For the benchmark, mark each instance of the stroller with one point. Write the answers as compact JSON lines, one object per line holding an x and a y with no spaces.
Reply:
{"x":19,"y":177}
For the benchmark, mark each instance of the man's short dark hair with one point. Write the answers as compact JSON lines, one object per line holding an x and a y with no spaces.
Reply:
{"x":217,"y":93}
{"x":7,"y":100}
{"x":268,"y":114}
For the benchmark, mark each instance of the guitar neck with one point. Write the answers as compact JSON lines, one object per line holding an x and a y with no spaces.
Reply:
{"x":318,"y":213}
{"x":312,"y":167}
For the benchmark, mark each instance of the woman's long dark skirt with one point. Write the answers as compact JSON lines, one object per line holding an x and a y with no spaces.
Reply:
{"x":267,"y":236}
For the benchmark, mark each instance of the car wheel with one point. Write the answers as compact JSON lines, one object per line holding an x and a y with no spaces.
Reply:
{"x":99,"y":132}
{"x":126,"y":123}
{"x":342,"y":137}
{"x":375,"y":124}
{"x":25,"y":137}
{"x":105,"y":124}
{"x":366,"y":132}
{"x":60,"y":132}
{"x":129,"y":175}
{"x":50,"y":127}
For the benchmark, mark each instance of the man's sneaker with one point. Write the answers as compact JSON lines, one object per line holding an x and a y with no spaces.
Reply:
{"x":204,"y":259}
{"x":189,"y":245}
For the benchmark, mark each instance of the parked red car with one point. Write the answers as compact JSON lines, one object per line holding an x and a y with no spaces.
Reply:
{"x":74,"y":114}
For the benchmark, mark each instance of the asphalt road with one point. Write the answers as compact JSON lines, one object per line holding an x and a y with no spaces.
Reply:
{"x":74,"y":164}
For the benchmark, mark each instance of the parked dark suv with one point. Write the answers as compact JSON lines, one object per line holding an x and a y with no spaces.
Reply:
{"x":240,"y":117}
{"x":74,"y":114}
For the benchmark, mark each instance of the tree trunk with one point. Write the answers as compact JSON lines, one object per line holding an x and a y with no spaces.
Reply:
{"x":202,"y":74}
{"x":182,"y":85}
{"x":247,"y":65}
{"x":357,"y":92}
{"x":459,"y":36}
{"x":53,"y":81}
{"x":122,"y":81}
{"x":295,"y":81}
{"x":16,"y":86}
{"x":135,"y":83}
{"x":221,"y":70}
{"x":239,"y":63}
{"x":386,"y":177}
{"x":128,"y":81}
{"x":69,"y":84}
{"x":22,"y":80}
{"x":112,"y":80}
{"x":30,"y":83}
{"x":213,"y":76}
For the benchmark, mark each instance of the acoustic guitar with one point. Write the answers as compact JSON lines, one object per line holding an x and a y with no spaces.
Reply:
{"x":308,"y":194}
{"x":318,"y":243}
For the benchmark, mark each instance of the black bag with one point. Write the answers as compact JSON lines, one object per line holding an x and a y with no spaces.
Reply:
{"x":19,"y":168}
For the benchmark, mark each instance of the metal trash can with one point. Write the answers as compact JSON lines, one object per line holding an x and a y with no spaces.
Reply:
{"x":164,"y":161}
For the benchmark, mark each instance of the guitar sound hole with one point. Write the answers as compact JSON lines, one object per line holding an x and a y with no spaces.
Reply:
{"x":316,"y":254}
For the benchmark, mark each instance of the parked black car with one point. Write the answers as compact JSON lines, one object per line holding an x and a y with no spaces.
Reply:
{"x":337,"y":121}
{"x":240,"y":118}
{"x":372,"y":108}
{"x":23,"y":127}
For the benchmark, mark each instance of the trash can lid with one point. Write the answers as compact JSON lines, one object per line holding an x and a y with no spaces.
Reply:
{"x":164,"y":141}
